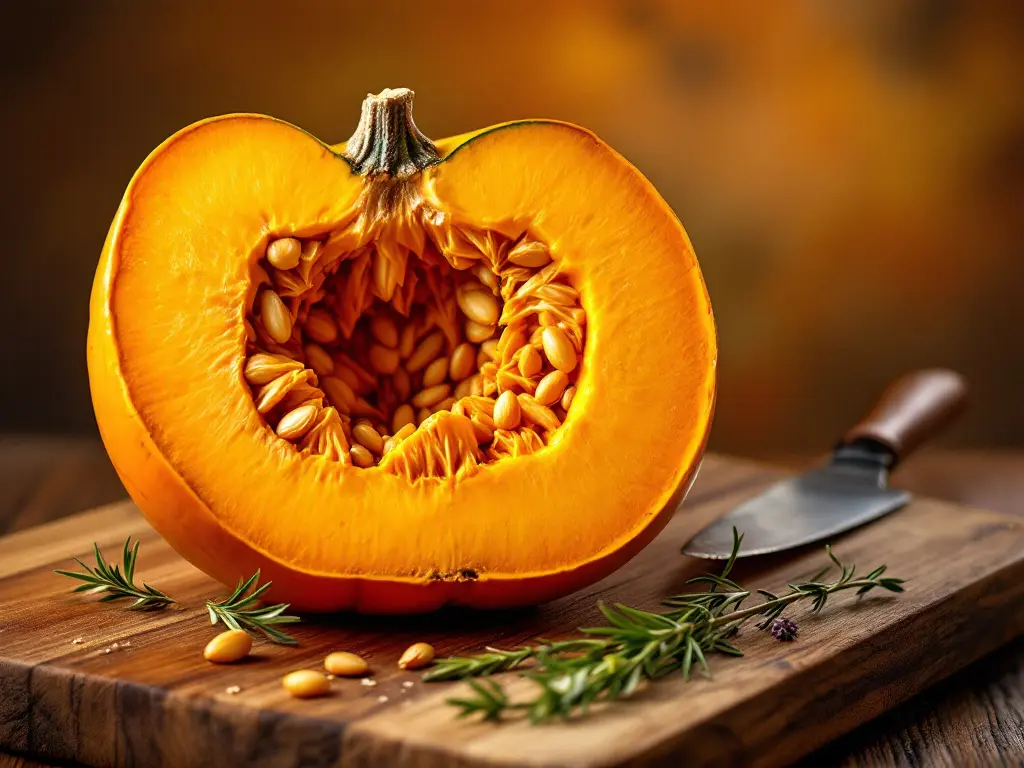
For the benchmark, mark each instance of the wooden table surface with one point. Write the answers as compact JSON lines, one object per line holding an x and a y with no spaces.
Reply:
{"x":975,"y":717}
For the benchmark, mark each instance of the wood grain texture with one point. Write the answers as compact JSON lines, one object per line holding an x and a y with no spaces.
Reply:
{"x":152,"y":700}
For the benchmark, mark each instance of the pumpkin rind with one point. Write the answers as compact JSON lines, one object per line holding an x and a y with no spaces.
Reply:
{"x":166,"y":345}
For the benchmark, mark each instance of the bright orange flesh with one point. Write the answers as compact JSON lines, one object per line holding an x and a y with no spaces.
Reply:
{"x":167,"y":346}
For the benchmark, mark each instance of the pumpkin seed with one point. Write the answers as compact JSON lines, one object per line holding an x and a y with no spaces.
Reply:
{"x":444,"y":405}
{"x":490,"y":349}
{"x":368,"y":437}
{"x":460,"y":366}
{"x":530,"y":362}
{"x":426,"y":352}
{"x":558,"y":293}
{"x":407,"y":341}
{"x":228,"y":647}
{"x":416,"y":656}
{"x":347,"y":375}
{"x":464,"y":388}
{"x":436,"y":372}
{"x":486,"y":277}
{"x":558,"y":349}
{"x":537,"y":413}
{"x":405,"y":432}
{"x":275,"y":316}
{"x":404,"y":414}
{"x":319,"y":360}
{"x":567,"y":397}
{"x":284,"y":253}
{"x":339,"y":393}
{"x":383,"y":359}
{"x":361,"y":457}
{"x":507,"y":411}
{"x":262,"y":368}
{"x":320,"y":327}
{"x":345,"y":664}
{"x":431,"y":395}
{"x":550,"y":389}
{"x":478,"y":333}
{"x":484,"y":433}
{"x":306,"y":684}
{"x":478,"y":306}
{"x":511,"y":339}
{"x":384,"y":330}
{"x":294,"y":424}
{"x":402,"y":384}
{"x":529,"y":253}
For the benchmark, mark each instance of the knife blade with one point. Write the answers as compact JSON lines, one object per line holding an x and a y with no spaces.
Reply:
{"x":853,"y":487}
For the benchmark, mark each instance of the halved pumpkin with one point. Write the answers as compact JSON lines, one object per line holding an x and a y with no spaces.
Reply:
{"x":395,"y":374}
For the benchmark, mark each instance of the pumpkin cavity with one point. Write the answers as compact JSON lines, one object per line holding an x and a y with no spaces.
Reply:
{"x":388,"y":342}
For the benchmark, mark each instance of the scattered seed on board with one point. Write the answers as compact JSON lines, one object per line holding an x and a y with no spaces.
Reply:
{"x":345,"y":664}
{"x":228,"y":647}
{"x":416,"y":656}
{"x":306,"y":684}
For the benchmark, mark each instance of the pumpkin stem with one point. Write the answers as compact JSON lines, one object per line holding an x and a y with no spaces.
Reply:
{"x":387,"y":140}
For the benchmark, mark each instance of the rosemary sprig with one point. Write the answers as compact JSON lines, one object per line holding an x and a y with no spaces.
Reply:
{"x":118,"y":581}
{"x":611,"y":661}
{"x":236,"y":612}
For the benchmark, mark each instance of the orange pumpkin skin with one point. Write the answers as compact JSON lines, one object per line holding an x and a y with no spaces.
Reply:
{"x":229,"y":520}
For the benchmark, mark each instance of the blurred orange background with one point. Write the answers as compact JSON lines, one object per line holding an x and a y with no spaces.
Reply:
{"x":851,"y":174}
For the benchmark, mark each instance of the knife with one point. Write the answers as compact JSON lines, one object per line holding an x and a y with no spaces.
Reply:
{"x":853,"y":487}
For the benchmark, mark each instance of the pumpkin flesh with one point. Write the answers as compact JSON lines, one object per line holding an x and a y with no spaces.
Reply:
{"x":168,"y":342}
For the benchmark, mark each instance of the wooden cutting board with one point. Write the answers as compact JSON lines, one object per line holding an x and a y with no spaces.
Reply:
{"x":94,"y":684}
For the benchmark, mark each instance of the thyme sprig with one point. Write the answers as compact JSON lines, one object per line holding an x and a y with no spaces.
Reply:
{"x":610,"y":662}
{"x":236,"y":611}
{"x":118,"y":581}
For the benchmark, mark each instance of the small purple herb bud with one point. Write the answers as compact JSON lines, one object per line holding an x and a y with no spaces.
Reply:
{"x":784,"y":630}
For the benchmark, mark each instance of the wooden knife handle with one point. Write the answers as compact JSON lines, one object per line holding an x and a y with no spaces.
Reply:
{"x":914,"y":408}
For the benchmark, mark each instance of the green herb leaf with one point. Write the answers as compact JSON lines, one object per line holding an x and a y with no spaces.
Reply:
{"x":117,"y":582}
{"x":236,"y":611}
{"x":610,"y":662}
